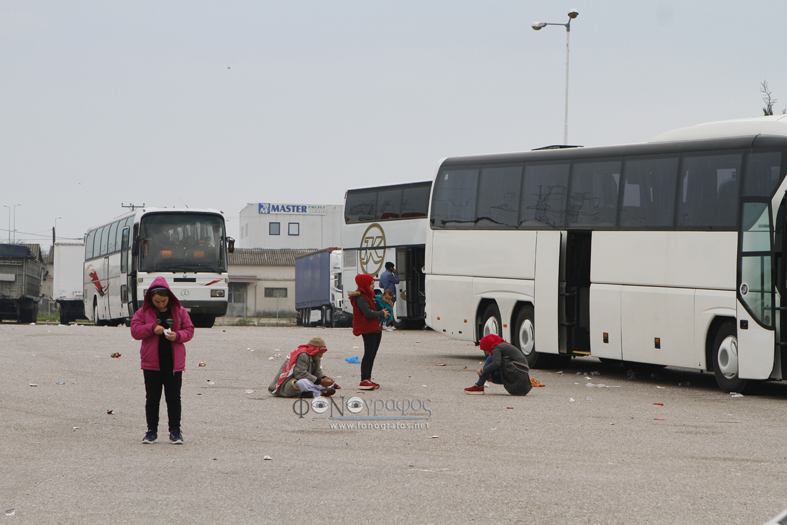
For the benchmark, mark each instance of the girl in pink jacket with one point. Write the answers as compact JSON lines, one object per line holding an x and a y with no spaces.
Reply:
{"x":163,"y":326}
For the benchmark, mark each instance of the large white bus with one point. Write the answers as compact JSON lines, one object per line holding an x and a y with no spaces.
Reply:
{"x":382,"y":224}
{"x":668,"y":253}
{"x":187,"y":246}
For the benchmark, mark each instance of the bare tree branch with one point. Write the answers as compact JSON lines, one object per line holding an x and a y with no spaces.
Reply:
{"x":769,"y":101}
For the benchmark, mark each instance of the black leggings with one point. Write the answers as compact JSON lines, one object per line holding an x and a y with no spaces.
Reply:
{"x":154,"y":381}
{"x":371,"y":342}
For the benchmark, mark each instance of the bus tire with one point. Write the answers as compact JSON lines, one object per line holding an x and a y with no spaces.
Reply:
{"x":26,"y":316}
{"x":490,"y":322}
{"x":523,"y":336}
{"x":203,"y":321}
{"x":96,"y":320}
{"x":725,"y":360}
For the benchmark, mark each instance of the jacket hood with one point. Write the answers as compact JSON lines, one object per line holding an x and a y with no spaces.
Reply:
{"x":160,"y":282}
{"x":489,"y":342}
{"x":364,"y":280}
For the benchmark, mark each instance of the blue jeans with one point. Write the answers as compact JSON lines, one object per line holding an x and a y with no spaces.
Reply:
{"x":494,"y":377}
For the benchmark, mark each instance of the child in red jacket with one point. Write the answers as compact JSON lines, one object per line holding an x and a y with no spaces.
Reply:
{"x":163,"y":326}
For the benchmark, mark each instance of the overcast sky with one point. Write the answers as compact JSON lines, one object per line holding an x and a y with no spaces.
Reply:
{"x":219,"y":104}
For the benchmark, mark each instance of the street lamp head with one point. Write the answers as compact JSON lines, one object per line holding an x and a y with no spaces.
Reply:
{"x":573,"y":14}
{"x":538,"y":25}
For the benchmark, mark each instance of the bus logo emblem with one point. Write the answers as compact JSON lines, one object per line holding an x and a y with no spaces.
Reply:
{"x":372,"y":252}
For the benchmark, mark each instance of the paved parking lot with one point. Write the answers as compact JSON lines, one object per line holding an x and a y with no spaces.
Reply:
{"x":566,"y":453}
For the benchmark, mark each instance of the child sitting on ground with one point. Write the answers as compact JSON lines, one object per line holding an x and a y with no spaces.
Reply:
{"x":385,"y":301}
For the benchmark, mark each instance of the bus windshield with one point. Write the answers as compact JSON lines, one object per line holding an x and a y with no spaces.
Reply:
{"x":181,"y":242}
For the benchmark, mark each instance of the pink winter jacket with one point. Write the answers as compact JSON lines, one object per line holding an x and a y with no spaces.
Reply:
{"x":146,"y":320}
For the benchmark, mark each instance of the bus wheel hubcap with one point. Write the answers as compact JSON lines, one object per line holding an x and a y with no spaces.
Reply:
{"x":526,"y":338}
{"x":491,"y":327}
{"x":728,"y":357}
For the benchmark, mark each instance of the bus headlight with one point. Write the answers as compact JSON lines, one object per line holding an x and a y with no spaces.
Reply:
{"x":217,"y":293}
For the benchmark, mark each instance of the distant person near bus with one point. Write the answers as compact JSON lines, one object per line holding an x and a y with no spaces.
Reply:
{"x":389,"y":279}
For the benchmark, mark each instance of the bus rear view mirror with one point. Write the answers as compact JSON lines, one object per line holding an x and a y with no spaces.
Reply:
{"x":230,"y":245}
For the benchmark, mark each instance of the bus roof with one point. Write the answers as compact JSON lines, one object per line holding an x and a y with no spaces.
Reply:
{"x":392,"y":186}
{"x":732,"y":134}
{"x":772,"y":125}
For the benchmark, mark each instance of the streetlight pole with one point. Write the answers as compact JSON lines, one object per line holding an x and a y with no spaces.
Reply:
{"x":54,"y":232}
{"x":15,"y":205}
{"x":9,"y":222}
{"x":539,"y":25}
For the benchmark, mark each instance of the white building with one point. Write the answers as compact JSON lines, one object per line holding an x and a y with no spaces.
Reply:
{"x":290,"y":226}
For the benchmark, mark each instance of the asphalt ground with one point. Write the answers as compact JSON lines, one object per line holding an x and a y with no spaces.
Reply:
{"x":565,"y":453}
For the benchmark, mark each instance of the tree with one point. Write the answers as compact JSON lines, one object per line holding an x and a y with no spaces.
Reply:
{"x":768,"y":99}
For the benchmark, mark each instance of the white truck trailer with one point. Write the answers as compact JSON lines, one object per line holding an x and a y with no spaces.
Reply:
{"x":69,"y":260}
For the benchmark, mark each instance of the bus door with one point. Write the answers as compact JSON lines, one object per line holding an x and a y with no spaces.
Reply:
{"x":780,"y":271}
{"x":104,"y":306}
{"x":755,"y":291}
{"x":546,"y":289}
{"x":410,"y":262}
{"x":125,"y":279}
{"x":574,"y":297}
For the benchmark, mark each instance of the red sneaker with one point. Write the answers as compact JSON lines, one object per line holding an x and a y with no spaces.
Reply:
{"x":366,"y":385}
{"x":375,"y":384}
{"x":475,"y":389}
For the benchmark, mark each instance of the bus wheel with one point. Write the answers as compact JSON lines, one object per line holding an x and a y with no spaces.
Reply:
{"x":491,"y":322}
{"x":725,"y":360}
{"x":524,"y":337}
{"x":96,"y":320}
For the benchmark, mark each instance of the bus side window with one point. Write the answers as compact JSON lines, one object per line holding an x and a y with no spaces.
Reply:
{"x":649,"y":192}
{"x":762,"y":173}
{"x":701,"y":204}
{"x":91,"y":237}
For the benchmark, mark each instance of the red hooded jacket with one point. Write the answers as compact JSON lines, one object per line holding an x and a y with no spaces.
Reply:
{"x":361,"y":323}
{"x":146,"y":320}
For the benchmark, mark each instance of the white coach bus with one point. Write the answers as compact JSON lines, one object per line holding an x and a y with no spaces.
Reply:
{"x":388,"y":223}
{"x":187,"y":246}
{"x":668,"y":253}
